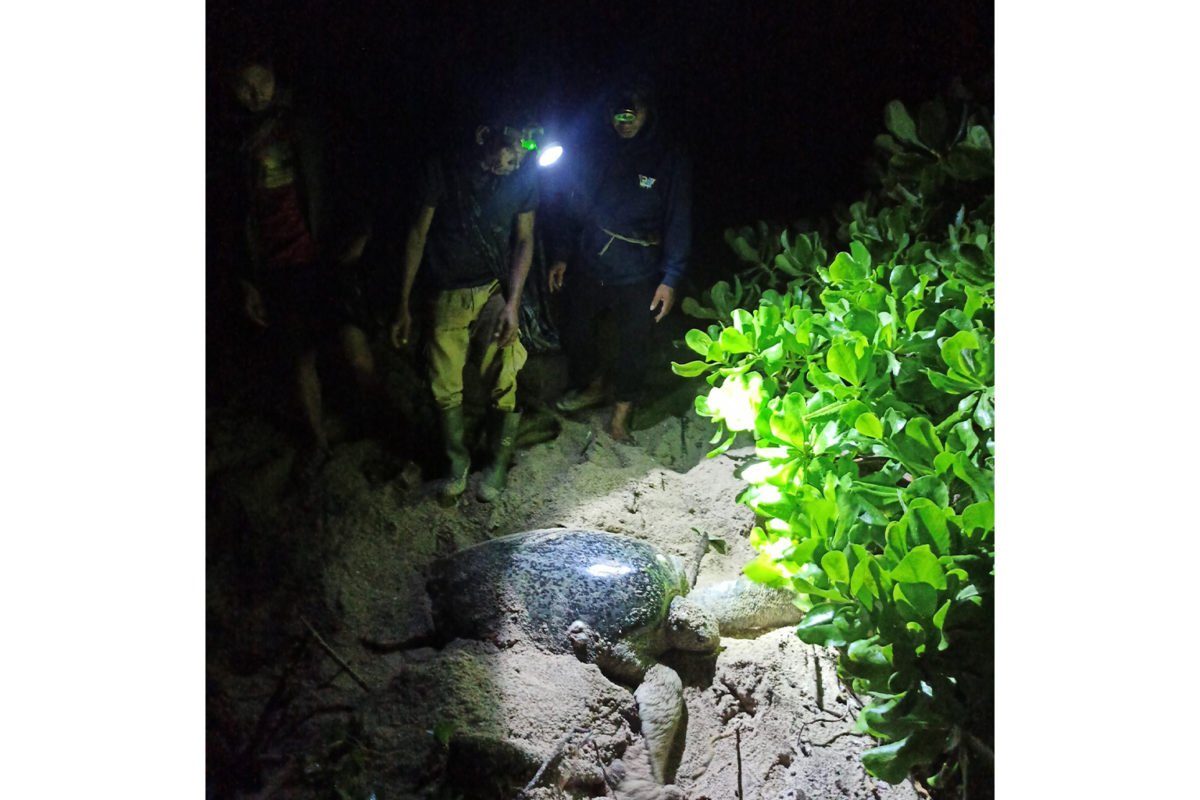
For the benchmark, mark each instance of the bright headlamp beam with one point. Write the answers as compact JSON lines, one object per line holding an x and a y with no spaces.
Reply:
{"x":549,"y":154}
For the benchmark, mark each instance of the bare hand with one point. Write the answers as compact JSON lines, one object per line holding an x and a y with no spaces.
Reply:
{"x":252,"y":305}
{"x":664,"y":296}
{"x":401,"y":329}
{"x":507,"y":326}
{"x":557,"y":270}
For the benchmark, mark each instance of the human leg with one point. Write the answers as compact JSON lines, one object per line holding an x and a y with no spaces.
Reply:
{"x":499,"y":367}
{"x":448,"y":347}
{"x":635,"y":327}
{"x":585,"y":301}
{"x":372,"y":412}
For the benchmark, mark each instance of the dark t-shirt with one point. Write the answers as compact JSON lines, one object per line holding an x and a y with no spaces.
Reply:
{"x":470,"y":239}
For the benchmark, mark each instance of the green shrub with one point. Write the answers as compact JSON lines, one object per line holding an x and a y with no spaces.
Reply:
{"x":867,"y":383}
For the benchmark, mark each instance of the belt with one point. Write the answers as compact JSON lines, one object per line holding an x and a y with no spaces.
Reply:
{"x":631,"y":240}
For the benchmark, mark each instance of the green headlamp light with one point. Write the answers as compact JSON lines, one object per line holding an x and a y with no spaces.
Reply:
{"x":530,"y":139}
{"x":625,"y":116}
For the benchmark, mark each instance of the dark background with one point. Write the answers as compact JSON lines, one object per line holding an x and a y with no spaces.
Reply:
{"x":777,"y":102}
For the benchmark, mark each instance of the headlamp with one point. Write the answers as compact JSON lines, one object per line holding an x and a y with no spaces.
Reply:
{"x":548,"y":153}
{"x":625,"y":116}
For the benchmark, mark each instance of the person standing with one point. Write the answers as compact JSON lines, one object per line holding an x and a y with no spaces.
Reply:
{"x":300,"y":236}
{"x":630,"y":237}
{"x":474,"y":230}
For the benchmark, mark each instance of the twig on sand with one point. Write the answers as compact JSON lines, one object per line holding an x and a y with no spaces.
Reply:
{"x":591,"y":437}
{"x":738,"y":744}
{"x":558,"y":750}
{"x":333,"y":654}
{"x":835,"y":737}
{"x":603,"y":771}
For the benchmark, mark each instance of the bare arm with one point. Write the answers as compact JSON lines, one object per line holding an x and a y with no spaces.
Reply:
{"x":414,"y":249}
{"x":522,"y":258}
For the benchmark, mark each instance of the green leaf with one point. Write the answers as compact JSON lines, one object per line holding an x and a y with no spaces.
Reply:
{"x":977,"y":136}
{"x":928,"y":486}
{"x":939,"y":622}
{"x":896,"y":535}
{"x":734,"y":341}
{"x":951,"y":383}
{"x":985,"y":415}
{"x":979,"y":517}
{"x":955,"y":352}
{"x":962,"y":437}
{"x":698,"y":341}
{"x":921,"y":597}
{"x":773,"y":356}
{"x":893,"y":762}
{"x":691,"y":369}
{"x":865,"y":658}
{"x":920,"y":566}
{"x":861,"y":256}
{"x":737,"y":400}
{"x":927,"y":525}
{"x":740,"y":246}
{"x":764,"y":570}
{"x":869,"y":425}
{"x":845,"y":269}
{"x":863,"y":585}
{"x":898,"y":121}
{"x":842,"y":362}
{"x":920,"y":431}
{"x":831,"y":625}
{"x":836,"y":567}
{"x":694,"y":309}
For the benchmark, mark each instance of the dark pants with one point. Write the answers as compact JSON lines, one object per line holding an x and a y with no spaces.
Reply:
{"x":586,"y":303}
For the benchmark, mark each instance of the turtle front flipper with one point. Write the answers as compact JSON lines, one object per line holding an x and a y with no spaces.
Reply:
{"x":622,"y":661}
{"x":660,"y":707}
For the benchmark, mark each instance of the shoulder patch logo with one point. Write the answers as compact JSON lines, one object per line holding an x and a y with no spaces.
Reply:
{"x":645,"y":182}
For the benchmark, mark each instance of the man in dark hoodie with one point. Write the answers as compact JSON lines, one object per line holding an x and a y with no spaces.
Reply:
{"x":629,"y":234}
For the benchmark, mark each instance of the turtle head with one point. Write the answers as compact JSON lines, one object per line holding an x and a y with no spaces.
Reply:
{"x":691,"y":628}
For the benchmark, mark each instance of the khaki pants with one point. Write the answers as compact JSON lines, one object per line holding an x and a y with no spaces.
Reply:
{"x":464,"y":326}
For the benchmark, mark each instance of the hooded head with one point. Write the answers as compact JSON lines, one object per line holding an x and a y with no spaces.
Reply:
{"x":631,"y":107}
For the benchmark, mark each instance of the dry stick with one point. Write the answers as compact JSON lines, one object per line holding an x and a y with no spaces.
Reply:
{"x":738,"y":745}
{"x":603,"y":771}
{"x":562,"y":745}
{"x":333,"y":654}
{"x":835,"y":737}
{"x":591,"y":437}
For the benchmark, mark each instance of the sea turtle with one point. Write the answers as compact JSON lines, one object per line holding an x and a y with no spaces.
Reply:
{"x":611,"y":600}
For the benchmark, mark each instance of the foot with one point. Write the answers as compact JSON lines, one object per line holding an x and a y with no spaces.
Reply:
{"x":578,"y":400}
{"x":619,"y":427}
{"x":453,"y":488}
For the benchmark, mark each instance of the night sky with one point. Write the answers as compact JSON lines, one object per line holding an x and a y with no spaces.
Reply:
{"x":777,"y":102}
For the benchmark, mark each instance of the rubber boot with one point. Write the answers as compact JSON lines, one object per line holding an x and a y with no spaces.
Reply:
{"x":456,"y":451}
{"x":502,"y":440}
